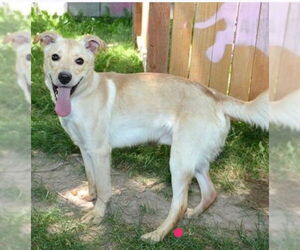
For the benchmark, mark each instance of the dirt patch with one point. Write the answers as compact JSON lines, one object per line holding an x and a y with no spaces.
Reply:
{"x":140,"y":200}
{"x":15,"y":203}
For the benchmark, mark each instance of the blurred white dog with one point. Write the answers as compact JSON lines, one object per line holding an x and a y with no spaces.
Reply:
{"x":21,"y":44}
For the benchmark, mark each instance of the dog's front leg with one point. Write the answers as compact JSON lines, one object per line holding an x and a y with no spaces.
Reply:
{"x":90,"y":174}
{"x":101,"y":165}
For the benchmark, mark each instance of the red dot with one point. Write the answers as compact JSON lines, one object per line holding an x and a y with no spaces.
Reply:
{"x":178,"y":232}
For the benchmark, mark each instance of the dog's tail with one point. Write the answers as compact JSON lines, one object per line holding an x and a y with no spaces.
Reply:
{"x":285,"y":112}
{"x":255,"y":112}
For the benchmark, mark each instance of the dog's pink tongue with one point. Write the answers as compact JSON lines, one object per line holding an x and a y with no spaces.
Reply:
{"x":63,"y":102}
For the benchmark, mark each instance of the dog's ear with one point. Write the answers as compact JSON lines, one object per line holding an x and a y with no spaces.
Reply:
{"x":17,"y":38}
{"x":93,"y":43}
{"x":46,"y":38}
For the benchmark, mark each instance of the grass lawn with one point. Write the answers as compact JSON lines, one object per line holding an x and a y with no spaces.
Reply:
{"x":53,"y":230}
{"x":244,"y":160}
{"x":14,"y":113}
{"x":14,"y":142}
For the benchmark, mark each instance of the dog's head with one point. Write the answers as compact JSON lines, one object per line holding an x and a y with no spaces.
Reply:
{"x":21,"y":44}
{"x":67,"y":64}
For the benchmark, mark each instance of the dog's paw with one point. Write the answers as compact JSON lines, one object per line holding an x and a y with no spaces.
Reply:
{"x":93,"y":217}
{"x":89,"y":197}
{"x":190,"y":213}
{"x":152,"y":237}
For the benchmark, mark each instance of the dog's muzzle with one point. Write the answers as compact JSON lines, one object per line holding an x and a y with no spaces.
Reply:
{"x":54,"y":87}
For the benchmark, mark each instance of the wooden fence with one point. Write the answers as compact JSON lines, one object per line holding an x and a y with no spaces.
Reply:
{"x":221,"y":45}
{"x":284,"y":49}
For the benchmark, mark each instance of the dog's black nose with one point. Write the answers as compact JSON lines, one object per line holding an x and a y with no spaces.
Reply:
{"x":64,"y":77}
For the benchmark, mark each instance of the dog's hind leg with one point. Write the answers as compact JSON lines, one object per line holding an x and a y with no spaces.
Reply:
{"x":208,"y":192}
{"x":183,"y":160}
{"x":180,"y":184}
{"x":212,"y":139}
{"x":193,"y":139}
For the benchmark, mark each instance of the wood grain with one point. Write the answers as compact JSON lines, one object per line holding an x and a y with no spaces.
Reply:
{"x":202,"y":40}
{"x":260,"y":73}
{"x":158,"y":37}
{"x":289,"y":73}
{"x":181,"y":38}
{"x":137,"y":20}
{"x":243,"y":56}
{"x":219,"y":73}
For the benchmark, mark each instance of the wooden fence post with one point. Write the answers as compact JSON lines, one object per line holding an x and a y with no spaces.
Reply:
{"x":141,"y":40}
{"x":183,"y":23}
{"x":137,"y":20}
{"x":289,"y":61}
{"x":158,"y":38}
{"x":202,"y":39}
{"x":212,"y":43}
{"x":220,"y":70}
{"x":260,"y":73}
{"x":243,"y":56}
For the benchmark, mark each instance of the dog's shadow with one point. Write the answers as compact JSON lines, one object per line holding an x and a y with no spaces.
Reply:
{"x":141,"y":202}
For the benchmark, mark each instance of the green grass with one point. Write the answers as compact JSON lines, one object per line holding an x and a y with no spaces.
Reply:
{"x":244,"y":158}
{"x":13,"y":193}
{"x":14,"y":137}
{"x":195,"y":237}
{"x":14,"y":112}
{"x":12,"y":21}
{"x":11,"y":235}
{"x":245,"y":155}
{"x":47,"y":134}
{"x":40,"y":192}
{"x":284,"y":150}
{"x":284,"y":166}
{"x":53,"y":229}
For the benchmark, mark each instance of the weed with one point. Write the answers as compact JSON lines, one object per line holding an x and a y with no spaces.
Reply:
{"x":41,"y":193}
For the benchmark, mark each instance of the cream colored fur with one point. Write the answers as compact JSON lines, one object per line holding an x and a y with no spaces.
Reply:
{"x":22,"y":46}
{"x":116,"y":110}
{"x":285,"y":112}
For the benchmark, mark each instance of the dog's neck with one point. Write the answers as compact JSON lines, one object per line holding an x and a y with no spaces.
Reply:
{"x":87,"y":85}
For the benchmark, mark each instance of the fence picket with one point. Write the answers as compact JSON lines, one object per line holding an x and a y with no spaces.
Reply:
{"x":278,"y":15}
{"x":202,"y":40}
{"x":220,"y":45}
{"x":219,"y":73}
{"x":260,"y":74}
{"x":181,"y":38}
{"x":243,"y":56}
{"x":288,"y":80}
{"x":158,"y":37}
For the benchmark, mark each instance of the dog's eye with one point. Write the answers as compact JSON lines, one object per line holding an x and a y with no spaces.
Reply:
{"x":28,"y":57}
{"x":55,"y":57}
{"x":79,"y":61}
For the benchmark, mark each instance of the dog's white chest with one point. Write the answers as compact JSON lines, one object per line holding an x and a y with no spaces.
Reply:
{"x":74,"y":125}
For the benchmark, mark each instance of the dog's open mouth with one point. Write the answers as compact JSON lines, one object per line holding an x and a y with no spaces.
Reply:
{"x":63,"y":98}
{"x":55,"y":88}
{"x":56,"y":91}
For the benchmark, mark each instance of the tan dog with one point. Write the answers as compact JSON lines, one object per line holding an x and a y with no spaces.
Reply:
{"x":101,"y":111}
{"x":21,"y":42}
